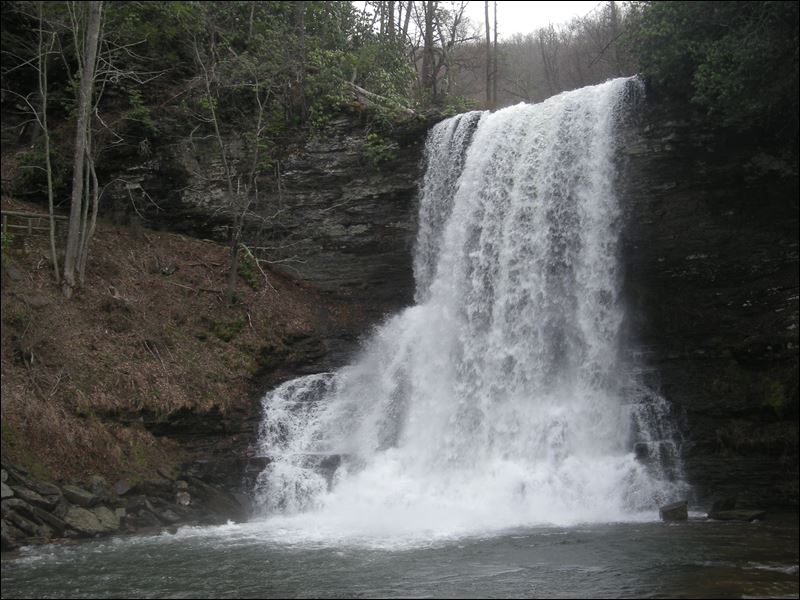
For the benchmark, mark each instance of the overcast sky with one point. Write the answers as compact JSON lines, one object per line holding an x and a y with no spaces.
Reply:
{"x":524,"y":17}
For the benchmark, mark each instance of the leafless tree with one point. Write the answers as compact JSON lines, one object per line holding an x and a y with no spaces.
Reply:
{"x":83,"y":176}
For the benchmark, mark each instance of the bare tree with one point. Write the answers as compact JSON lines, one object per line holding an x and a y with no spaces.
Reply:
{"x":241,"y":175}
{"x":86,"y":42}
{"x":488,"y":56}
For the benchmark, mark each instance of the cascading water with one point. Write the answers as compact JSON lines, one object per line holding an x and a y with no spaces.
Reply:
{"x":502,"y":398}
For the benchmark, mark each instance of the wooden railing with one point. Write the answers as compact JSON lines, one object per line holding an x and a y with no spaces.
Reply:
{"x":26,"y":223}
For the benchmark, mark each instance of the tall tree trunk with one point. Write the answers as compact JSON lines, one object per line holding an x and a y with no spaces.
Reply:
{"x":488,"y":56}
{"x":89,"y":56}
{"x":298,"y":89}
{"x":494,"y":60}
{"x":407,"y":20}
{"x":43,"y":58}
{"x":428,"y":79}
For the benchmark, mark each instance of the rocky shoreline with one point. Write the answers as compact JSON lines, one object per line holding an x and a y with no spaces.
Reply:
{"x":37,"y":512}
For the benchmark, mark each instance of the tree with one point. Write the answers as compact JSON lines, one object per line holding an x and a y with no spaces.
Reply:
{"x":736,"y":60}
{"x":83,"y":172}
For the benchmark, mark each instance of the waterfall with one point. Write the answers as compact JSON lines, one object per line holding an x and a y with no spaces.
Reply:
{"x":504,"y":397}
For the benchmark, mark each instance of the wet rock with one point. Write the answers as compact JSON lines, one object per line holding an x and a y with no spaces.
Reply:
{"x":122,"y":487}
{"x":29,"y":527}
{"x":136,"y":502}
{"x":167,"y":516}
{"x":144,"y":518}
{"x":31,"y":497}
{"x":7,"y":536}
{"x":107,"y":518}
{"x":3,"y":475}
{"x":79,"y":496}
{"x":49,"y":519}
{"x":41,"y":487}
{"x":738,"y":515}
{"x":156,"y":488}
{"x":100,"y":488}
{"x":7,"y":492}
{"x":19,"y":506}
{"x":183,"y":499}
{"x":217,"y":501}
{"x":677,"y":511}
{"x":711,"y":283}
{"x":86,"y":522}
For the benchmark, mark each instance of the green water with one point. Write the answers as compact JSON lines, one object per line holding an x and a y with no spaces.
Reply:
{"x":698,"y":559}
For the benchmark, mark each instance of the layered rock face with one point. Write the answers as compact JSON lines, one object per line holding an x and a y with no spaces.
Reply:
{"x":341,"y":216}
{"x":710,"y":248}
{"x":711,"y":251}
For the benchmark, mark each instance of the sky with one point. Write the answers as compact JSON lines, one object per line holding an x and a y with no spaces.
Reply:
{"x":525,"y":17}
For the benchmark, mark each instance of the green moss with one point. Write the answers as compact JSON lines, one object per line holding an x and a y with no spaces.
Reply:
{"x":247,"y":271}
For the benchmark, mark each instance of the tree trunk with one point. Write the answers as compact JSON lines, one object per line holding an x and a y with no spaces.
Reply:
{"x":407,"y":20}
{"x":89,"y":57}
{"x":488,"y":56}
{"x":298,"y":88}
{"x":43,"y":58}
{"x":428,"y":79}
{"x":494,"y":60}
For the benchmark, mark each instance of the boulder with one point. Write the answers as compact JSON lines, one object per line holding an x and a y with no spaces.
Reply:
{"x":7,"y":492}
{"x":79,"y":496}
{"x":8,"y":533}
{"x":677,"y":511}
{"x":217,"y":501}
{"x":122,"y":487}
{"x":108,"y":519}
{"x":100,"y":488}
{"x":51,"y":520}
{"x":84,"y":521}
{"x":28,"y":526}
{"x":18,"y":506}
{"x":31,"y":497}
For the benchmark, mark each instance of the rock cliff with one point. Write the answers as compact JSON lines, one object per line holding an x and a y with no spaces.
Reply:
{"x":711,"y":256}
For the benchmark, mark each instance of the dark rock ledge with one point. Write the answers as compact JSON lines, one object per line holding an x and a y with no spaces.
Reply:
{"x":36,"y":512}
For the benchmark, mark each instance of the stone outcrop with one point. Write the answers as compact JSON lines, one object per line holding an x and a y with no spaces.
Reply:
{"x":711,"y":268}
{"x":677,"y":511}
{"x":710,"y":253}
{"x":341,"y":218}
{"x":36,"y":511}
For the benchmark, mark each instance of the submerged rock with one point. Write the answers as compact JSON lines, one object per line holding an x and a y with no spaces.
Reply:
{"x":737,"y":515}
{"x":677,"y":511}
